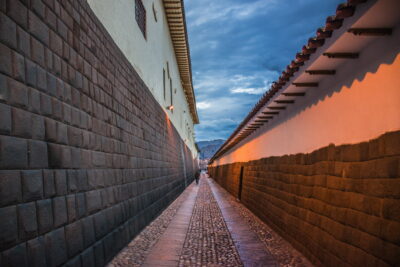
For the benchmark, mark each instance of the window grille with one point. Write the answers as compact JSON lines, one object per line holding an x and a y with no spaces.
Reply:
{"x":140,"y":15}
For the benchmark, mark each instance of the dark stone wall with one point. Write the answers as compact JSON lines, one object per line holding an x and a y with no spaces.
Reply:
{"x":87,"y":156}
{"x":339,"y":205}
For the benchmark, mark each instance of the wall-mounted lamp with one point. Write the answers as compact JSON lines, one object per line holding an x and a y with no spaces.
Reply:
{"x":171,"y":107}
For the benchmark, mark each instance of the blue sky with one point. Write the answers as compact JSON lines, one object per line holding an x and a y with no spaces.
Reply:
{"x":238,"y":47}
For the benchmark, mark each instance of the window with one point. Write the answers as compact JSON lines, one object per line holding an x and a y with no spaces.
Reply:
{"x":164,"y":83}
{"x":170,"y":90}
{"x":140,"y":15}
{"x":154,"y":13}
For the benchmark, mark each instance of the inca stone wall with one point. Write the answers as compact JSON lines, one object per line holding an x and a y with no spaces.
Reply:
{"x":87,"y":156}
{"x":339,"y":205}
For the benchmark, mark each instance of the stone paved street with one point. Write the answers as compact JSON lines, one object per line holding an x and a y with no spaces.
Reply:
{"x":206,"y":226}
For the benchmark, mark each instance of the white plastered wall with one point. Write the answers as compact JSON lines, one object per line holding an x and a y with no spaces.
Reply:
{"x":149,"y":56}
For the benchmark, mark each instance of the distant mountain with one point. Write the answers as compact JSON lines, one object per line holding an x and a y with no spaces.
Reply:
{"x":208,"y":148}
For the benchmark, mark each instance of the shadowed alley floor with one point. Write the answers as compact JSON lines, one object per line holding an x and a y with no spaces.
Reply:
{"x":206,"y":226}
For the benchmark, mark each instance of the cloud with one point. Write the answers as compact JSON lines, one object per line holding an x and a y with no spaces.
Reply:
{"x":203,"y":105}
{"x":251,"y":91}
{"x":238,"y":48}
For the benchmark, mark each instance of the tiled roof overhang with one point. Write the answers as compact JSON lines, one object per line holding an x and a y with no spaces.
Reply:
{"x":175,"y":12}
{"x":315,"y":50}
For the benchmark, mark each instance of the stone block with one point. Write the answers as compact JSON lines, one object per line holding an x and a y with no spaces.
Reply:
{"x":5,"y":59}
{"x":27,"y":221}
{"x":93,"y":201}
{"x":391,"y":209}
{"x":13,"y":153}
{"x":21,"y":123}
{"x":15,"y":256}
{"x":71,"y":207}
{"x":99,"y":253}
{"x":41,"y":79}
{"x":34,"y":100}
{"x":24,"y":45}
{"x":32,"y":185}
{"x":5,"y":119}
{"x":391,"y":143}
{"x":38,"y":127}
{"x":8,"y":31}
{"x":8,"y":227}
{"x":74,"y":238}
{"x":51,"y":130}
{"x":38,"y":28}
{"x":88,"y":258}
{"x":61,"y":182}
{"x":38,"y":7}
{"x":10,"y":187}
{"x":18,"y":67}
{"x":80,"y":205}
{"x":56,"y":248}
{"x":4,"y":90}
{"x":59,"y":211}
{"x":49,"y":183}
{"x":38,"y":157}
{"x":36,"y":252}
{"x":18,"y":12}
{"x":18,"y":94}
{"x":72,"y":181}
{"x":88,"y":231}
{"x":45,"y":215}
{"x":100,"y":224}
{"x":82,"y":180}
{"x":31,"y":73}
{"x":62,"y":133}
{"x":37,"y":52}
{"x":75,"y":262}
{"x":57,"y":109}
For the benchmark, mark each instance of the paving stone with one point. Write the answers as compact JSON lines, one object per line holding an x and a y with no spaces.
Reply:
{"x":32,"y":185}
{"x":45,"y":215}
{"x":60,"y":214}
{"x":27,"y":221}
{"x":36,"y":252}
{"x":56,"y":248}
{"x":8,"y":227}
{"x":10,"y":187}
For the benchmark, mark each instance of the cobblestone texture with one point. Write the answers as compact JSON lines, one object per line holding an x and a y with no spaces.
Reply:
{"x":208,"y":241}
{"x":87,"y":156}
{"x":281,"y":250}
{"x":135,"y":253}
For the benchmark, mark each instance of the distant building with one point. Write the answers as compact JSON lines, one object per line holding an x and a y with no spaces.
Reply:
{"x":318,"y":156}
{"x":152,"y":36}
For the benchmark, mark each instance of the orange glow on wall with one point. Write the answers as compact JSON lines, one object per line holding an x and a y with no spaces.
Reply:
{"x":369,"y":108}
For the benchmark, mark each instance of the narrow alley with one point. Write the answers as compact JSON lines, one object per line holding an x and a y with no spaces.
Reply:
{"x":206,"y":226}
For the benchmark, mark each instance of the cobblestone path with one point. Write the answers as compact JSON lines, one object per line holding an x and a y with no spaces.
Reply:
{"x":206,"y":226}
{"x":208,"y":241}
